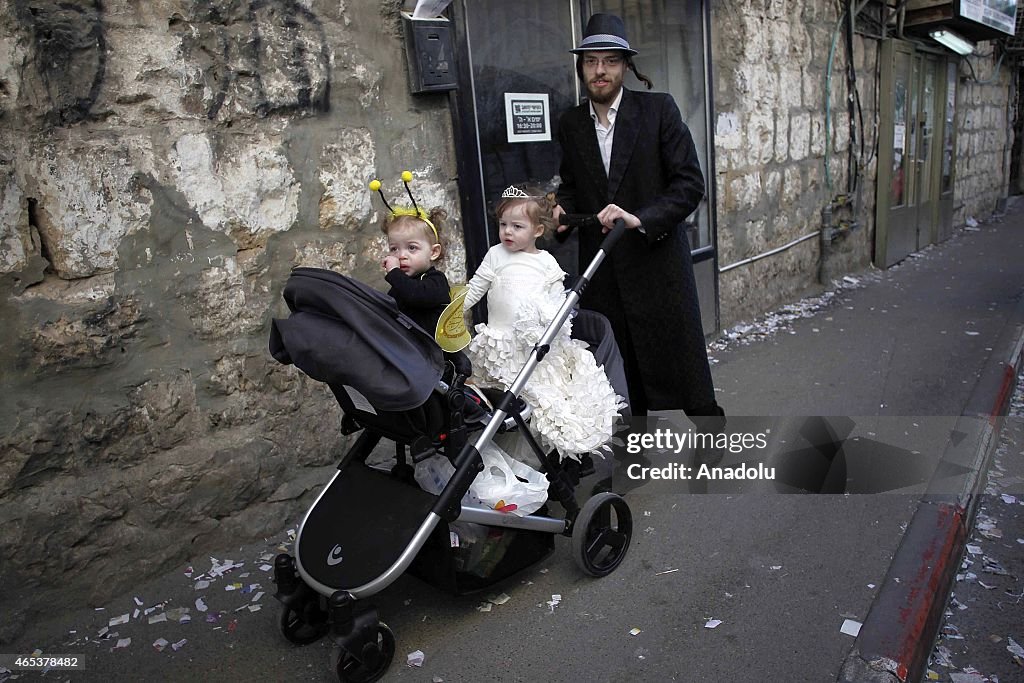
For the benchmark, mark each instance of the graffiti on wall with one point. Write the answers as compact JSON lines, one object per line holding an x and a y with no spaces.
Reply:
{"x":69,"y":55}
{"x":254,"y":58}
{"x":267,"y":57}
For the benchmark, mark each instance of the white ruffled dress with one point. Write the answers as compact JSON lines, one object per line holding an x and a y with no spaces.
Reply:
{"x":574,"y":405}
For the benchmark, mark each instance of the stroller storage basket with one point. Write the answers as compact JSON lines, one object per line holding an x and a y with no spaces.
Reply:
{"x":461,"y":564}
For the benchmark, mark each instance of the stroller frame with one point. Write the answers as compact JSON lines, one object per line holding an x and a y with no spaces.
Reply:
{"x":601,"y":530}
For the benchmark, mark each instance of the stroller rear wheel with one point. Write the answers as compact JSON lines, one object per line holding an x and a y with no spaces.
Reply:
{"x":372,"y":666}
{"x":305,"y":623}
{"x":601,"y":534}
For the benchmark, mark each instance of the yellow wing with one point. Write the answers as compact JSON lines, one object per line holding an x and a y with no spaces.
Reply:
{"x":451,"y":333}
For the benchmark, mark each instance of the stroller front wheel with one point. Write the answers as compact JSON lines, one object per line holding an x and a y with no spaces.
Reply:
{"x":601,"y":534}
{"x":372,"y":666}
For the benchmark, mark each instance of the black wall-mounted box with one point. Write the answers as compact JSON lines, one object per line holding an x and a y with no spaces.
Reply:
{"x":428,"y":49}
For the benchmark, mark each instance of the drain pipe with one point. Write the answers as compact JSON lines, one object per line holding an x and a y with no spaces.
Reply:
{"x":827,"y":232}
{"x":772,"y":252}
{"x":826,"y":238}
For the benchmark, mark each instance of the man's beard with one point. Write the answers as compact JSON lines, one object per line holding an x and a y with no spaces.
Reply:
{"x":601,"y":98}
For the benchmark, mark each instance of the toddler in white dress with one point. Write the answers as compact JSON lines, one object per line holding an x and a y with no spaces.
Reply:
{"x":574,"y":405}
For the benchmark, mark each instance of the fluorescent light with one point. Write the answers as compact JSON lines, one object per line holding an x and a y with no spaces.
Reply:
{"x":954,"y":42}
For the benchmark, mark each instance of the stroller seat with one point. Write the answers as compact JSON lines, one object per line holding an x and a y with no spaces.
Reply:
{"x":386,"y":372}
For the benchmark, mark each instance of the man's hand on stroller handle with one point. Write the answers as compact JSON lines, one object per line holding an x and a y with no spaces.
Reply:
{"x":609,"y":214}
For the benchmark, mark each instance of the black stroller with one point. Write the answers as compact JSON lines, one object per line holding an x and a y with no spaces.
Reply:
{"x":367,"y":527}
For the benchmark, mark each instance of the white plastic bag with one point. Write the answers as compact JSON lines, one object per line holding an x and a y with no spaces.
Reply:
{"x":497,"y":482}
{"x":500,"y":481}
{"x":433,"y":473}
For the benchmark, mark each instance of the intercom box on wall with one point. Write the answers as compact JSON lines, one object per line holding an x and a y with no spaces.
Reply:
{"x":428,"y":49}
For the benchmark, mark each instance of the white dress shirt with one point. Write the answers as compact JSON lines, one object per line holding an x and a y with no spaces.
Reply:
{"x":605,"y":135}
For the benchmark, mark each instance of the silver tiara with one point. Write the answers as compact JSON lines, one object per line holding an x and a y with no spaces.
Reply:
{"x":513,"y":192}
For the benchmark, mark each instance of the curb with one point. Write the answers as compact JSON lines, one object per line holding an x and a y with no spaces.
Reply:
{"x":897,"y":636}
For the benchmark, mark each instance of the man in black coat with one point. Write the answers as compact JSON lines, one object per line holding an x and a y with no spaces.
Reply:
{"x":629,"y":155}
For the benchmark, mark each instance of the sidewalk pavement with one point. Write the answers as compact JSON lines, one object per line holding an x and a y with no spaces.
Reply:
{"x":940,"y":334}
{"x":934,"y":337}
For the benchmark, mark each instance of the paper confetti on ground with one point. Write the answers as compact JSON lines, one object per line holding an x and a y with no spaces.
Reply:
{"x":850,"y":627}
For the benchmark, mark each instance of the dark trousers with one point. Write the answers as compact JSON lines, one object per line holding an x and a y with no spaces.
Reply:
{"x":638,"y":403}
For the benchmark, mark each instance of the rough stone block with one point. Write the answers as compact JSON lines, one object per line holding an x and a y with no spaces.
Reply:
{"x":16,"y":239}
{"x":345,"y":166}
{"x":792,"y":186}
{"x":817,"y":134}
{"x":840,"y":131}
{"x":790,"y":87}
{"x":799,"y":136}
{"x":760,"y":136}
{"x":243,"y":187}
{"x":727,"y":131}
{"x":781,"y":137}
{"x":814,"y":89}
{"x":746,"y":190}
{"x":86,"y":200}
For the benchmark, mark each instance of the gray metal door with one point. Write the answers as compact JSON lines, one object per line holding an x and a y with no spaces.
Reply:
{"x":916,"y":156}
{"x":896,"y":210}
{"x":947,"y":155}
{"x":926,"y":157}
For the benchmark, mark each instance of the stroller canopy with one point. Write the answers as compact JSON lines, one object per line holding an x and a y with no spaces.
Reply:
{"x":343,"y":332}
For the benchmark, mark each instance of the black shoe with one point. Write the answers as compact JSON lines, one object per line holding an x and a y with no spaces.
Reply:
{"x":709,"y":421}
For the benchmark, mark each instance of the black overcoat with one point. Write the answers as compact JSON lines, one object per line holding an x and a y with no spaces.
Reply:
{"x":646,"y":287}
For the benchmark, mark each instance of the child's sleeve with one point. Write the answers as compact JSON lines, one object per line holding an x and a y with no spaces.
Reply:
{"x":414,"y":292}
{"x":481,"y":281}
{"x":555,"y":277}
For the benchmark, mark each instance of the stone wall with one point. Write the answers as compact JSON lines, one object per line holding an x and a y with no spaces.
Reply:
{"x":772,"y":142}
{"x":984,"y":115}
{"x":163,"y":165}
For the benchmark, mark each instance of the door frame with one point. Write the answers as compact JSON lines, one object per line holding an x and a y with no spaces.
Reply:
{"x":927,"y":171}
{"x":891,"y":243}
{"x":898,"y":231}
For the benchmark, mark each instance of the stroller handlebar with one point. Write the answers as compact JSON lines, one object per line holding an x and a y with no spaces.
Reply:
{"x":618,"y":228}
{"x":573,"y":221}
{"x":586,"y":220}
{"x":579,"y":220}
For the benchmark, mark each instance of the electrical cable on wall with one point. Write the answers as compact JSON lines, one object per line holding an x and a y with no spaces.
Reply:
{"x":853,"y":170}
{"x":995,"y":74}
{"x":828,"y":102}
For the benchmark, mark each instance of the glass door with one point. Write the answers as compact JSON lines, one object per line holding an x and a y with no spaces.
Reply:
{"x":947,"y":160}
{"x":517,"y":77}
{"x":896,"y":196}
{"x":917,"y":152}
{"x":670,"y":38}
{"x":925,"y":157}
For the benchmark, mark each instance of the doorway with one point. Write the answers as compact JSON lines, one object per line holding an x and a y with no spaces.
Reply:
{"x":514,"y":58}
{"x":916,"y":160}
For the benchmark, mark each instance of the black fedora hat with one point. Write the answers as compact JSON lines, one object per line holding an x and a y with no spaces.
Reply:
{"x":604,"y":32}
